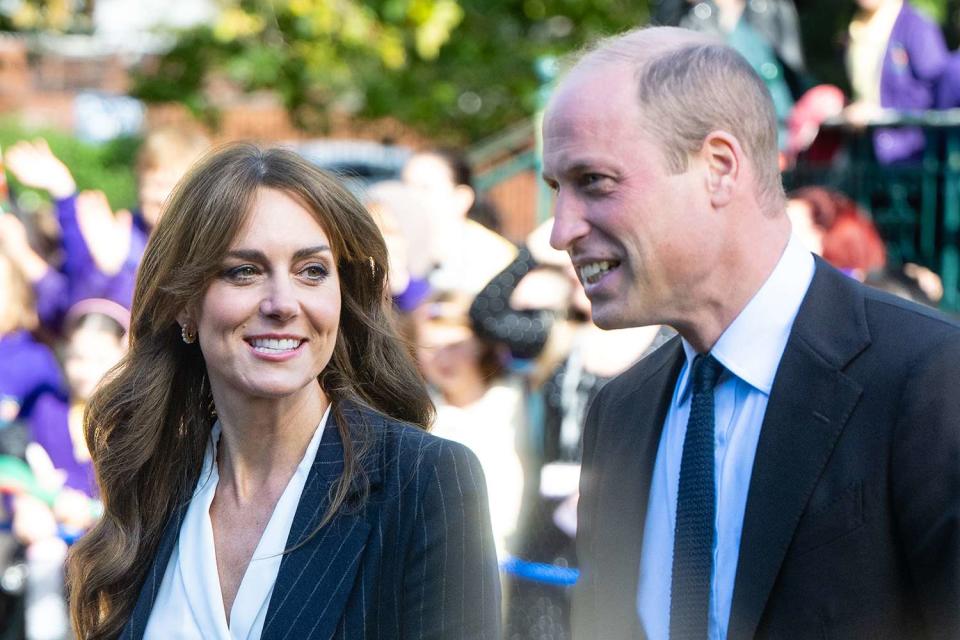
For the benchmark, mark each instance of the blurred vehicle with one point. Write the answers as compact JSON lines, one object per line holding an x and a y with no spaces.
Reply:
{"x":360,"y":163}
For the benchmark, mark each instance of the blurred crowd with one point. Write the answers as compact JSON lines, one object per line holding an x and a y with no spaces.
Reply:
{"x":502,"y":333}
{"x":896,"y":60}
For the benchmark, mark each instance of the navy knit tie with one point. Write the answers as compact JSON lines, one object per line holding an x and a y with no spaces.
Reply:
{"x":696,"y":508}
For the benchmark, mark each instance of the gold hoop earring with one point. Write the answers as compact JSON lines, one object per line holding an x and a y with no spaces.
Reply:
{"x":189,"y":337}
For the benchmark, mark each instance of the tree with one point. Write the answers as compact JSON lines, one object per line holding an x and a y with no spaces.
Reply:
{"x":457,"y":70}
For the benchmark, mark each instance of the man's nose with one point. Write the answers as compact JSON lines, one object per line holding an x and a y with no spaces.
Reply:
{"x":569,"y":224}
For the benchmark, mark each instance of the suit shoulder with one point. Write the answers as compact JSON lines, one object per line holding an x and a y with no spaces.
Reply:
{"x":407,"y":451}
{"x":915,"y":324}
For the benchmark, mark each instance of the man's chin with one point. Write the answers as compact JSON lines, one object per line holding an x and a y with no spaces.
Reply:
{"x":610,"y":315}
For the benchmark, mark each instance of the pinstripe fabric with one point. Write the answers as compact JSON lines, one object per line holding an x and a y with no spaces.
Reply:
{"x":416,"y":561}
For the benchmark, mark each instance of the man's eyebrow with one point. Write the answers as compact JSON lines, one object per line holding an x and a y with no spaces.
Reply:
{"x":572,"y":169}
{"x":255,"y":255}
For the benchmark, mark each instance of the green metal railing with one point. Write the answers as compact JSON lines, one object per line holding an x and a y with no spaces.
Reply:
{"x":915,"y":205}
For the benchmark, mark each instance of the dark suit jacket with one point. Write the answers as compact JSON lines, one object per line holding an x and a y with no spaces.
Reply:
{"x":417,"y":560}
{"x":852,"y":525}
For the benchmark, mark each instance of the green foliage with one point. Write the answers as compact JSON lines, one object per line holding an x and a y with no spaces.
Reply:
{"x":46,"y":15}
{"x":458,"y":70}
{"x":108,"y":167}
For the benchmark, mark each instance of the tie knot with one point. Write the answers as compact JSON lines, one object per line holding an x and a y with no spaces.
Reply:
{"x":706,"y":372}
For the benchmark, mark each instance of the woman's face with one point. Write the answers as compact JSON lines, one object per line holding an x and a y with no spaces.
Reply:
{"x":449,"y":356}
{"x":268,"y":323}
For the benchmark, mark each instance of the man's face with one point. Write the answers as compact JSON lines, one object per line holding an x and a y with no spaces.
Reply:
{"x":635,"y":231}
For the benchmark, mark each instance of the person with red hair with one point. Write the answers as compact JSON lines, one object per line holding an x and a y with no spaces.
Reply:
{"x":838,"y":229}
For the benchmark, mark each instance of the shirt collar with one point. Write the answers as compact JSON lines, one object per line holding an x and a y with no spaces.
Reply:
{"x":751,"y":347}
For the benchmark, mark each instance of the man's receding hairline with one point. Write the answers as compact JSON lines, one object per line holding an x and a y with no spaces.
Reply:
{"x":640,"y":47}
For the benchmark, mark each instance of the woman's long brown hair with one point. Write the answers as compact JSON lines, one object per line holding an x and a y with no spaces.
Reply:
{"x":148,"y":424}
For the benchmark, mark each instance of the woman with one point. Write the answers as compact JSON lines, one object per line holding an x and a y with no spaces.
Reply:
{"x":833,"y":226}
{"x":308,"y":506}
{"x":465,"y":252}
{"x":478,"y":404}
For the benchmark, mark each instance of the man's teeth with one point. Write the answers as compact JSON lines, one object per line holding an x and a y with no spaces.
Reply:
{"x":592,"y":272}
{"x":271,"y":345}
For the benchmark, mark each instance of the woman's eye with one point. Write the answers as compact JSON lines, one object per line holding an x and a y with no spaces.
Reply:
{"x":314,"y":272}
{"x":241,"y":273}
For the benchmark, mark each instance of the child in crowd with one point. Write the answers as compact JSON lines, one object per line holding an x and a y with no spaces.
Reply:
{"x":101,"y":251}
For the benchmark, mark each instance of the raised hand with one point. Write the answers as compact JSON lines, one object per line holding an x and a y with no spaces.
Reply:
{"x":107,"y":235}
{"x":35,"y":166}
{"x":14,"y":242}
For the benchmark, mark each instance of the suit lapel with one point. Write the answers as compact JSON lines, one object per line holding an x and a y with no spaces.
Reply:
{"x":137,"y":623}
{"x":810,"y":403}
{"x":317,"y":576}
{"x":626,"y":473}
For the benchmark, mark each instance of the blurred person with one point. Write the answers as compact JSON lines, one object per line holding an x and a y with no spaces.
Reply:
{"x":537,"y":308}
{"x":833,"y":226}
{"x":788,"y":465}
{"x":948,"y":89}
{"x":895,"y":57}
{"x":102,"y":249}
{"x":766,"y":33}
{"x":401,"y":215}
{"x":465,"y":254}
{"x":478,"y":405}
{"x":29,"y":368}
{"x":59,"y":502}
{"x":260,"y":450}
{"x":815,"y":106}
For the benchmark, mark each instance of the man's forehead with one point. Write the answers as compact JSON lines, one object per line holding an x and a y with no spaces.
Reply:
{"x":592,"y":100}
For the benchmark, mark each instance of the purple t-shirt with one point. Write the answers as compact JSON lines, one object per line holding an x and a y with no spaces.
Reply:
{"x":79,"y":276}
{"x":28,"y":370}
{"x":50,"y":428}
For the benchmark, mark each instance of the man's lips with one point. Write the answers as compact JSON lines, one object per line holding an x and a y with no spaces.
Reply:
{"x":592,"y":271}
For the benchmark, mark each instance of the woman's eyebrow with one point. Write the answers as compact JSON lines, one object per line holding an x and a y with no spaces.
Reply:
{"x":255,"y":255}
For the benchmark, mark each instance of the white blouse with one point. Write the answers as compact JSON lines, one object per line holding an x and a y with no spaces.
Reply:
{"x":189,"y":604}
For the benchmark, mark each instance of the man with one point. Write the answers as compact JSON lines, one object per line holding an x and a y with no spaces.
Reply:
{"x":801,"y":480}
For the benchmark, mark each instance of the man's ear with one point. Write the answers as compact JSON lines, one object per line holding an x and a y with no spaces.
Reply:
{"x":724,"y":160}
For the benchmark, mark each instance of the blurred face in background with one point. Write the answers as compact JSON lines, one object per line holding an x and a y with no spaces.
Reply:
{"x":90,"y":353}
{"x":449,"y":356}
{"x":801,"y":219}
{"x":156,"y":185}
{"x":7,"y":312}
{"x":430,"y":175}
{"x":14,"y":297}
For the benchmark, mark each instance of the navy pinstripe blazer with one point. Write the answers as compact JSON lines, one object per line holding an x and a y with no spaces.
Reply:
{"x":415,"y":561}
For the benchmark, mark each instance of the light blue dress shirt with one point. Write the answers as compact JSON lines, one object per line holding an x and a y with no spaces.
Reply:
{"x":750,"y":349}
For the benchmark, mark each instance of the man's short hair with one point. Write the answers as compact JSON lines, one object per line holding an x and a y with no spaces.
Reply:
{"x":689,"y":84}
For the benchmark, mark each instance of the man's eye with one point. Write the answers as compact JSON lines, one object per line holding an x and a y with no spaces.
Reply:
{"x":592,"y":179}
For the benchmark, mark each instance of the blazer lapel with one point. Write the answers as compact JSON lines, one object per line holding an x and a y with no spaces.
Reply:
{"x":316,"y":577}
{"x":810,"y":403}
{"x":625,"y":473}
{"x":137,"y":623}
